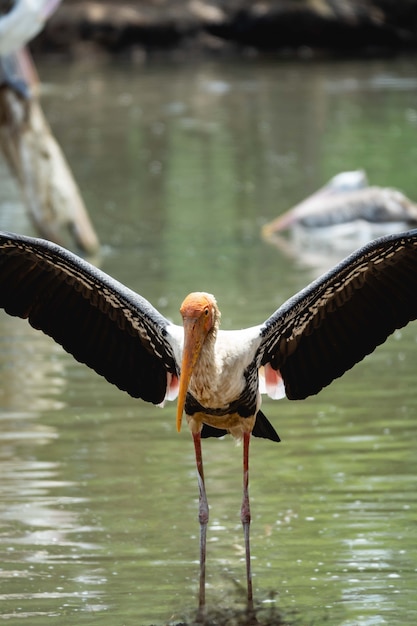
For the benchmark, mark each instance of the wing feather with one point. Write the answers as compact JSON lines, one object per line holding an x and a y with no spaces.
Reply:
{"x":100,"y":322}
{"x":338,"y":319}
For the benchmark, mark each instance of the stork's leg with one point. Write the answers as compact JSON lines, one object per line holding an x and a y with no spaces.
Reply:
{"x":203,"y":515}
{"x":245,"y":514}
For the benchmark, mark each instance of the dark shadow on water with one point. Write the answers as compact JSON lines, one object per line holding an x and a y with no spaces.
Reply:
{"x":266,"y":614}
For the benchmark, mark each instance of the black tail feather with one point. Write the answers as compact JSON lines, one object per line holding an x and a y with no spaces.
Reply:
{"x":263,"y":428}
{"x":210,"y":431}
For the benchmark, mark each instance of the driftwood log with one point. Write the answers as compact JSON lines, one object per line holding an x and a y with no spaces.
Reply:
{"x":35,"y":159}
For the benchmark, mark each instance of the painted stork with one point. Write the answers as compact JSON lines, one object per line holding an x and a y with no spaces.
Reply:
{"x":376,"y":205}
{"x":218,"y":375}
{"x":347,"y":198}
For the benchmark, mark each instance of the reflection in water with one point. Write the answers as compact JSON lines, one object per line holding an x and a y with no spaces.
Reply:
{"x":39,"y":516}
{"x":41,"y":533}
{"x":320,"y":249}
{"x":28,"y":380}
{"x":12,"y":209}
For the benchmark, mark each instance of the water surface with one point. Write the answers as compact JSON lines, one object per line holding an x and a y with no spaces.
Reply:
{"x":180,"y":167}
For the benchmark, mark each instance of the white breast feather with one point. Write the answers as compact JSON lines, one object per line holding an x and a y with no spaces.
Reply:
{"x":219,"y":376}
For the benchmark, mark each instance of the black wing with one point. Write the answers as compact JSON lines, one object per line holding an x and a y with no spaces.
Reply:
{"x":340,"y":318}
{"x":100,"y":322}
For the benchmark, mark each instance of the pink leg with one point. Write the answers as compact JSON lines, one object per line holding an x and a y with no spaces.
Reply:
{"x":203,"y":516}
{"x":245,"y":515}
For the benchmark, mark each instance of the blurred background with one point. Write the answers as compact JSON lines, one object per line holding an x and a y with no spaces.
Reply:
{"x":186,"y":128}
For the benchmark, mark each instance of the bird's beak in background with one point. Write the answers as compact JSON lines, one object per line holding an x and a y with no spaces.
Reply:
{"x":194,"y":335}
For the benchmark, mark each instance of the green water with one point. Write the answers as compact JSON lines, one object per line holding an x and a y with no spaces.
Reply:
{"x":180,"y":167}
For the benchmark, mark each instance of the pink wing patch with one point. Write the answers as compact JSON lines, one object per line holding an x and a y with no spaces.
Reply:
{"x":270,"y":382}
{"x":172,"y":388}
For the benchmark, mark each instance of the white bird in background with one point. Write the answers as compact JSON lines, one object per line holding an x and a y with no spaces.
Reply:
{"x":18,"y":26}
{"x":23,"y":22}
{"x":218,"y":375}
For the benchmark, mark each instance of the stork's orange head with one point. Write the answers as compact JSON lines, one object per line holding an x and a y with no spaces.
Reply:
{"x":200,"y":306}
{"x":200,"y":316}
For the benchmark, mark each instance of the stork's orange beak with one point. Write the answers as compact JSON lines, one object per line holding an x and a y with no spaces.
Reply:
{"x":194,"y":336}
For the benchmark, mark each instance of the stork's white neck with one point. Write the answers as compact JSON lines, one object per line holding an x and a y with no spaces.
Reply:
{"x":205,"y":378}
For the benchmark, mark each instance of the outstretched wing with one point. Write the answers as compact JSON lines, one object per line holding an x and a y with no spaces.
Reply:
{"x":338,"y":319}
{"x":100,"y":322}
